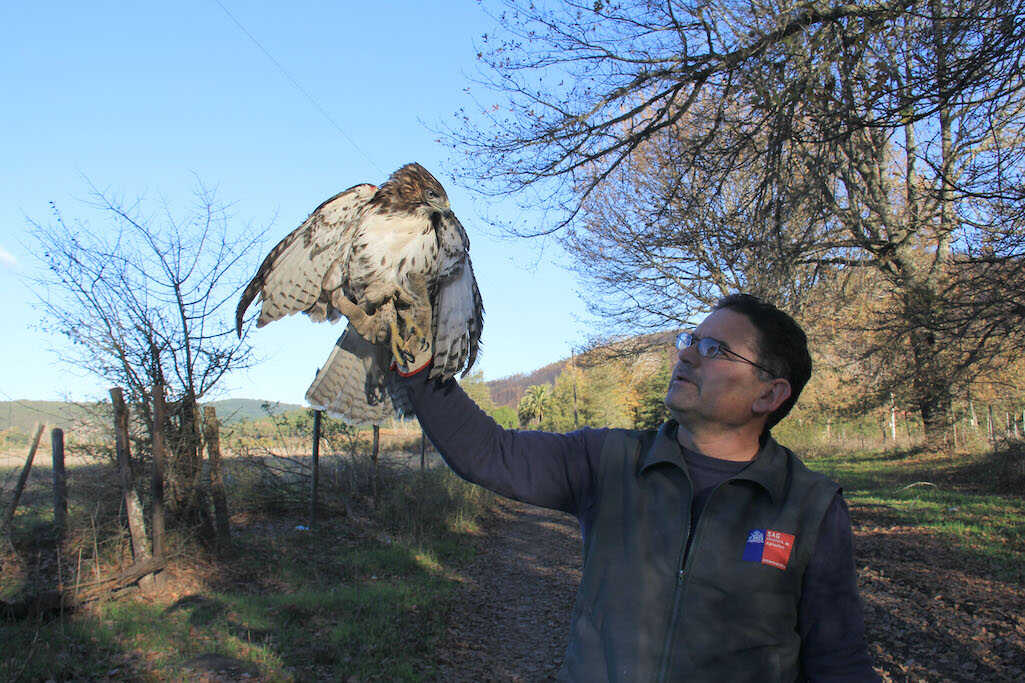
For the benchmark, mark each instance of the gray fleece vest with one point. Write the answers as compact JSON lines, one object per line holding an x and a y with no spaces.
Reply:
{"x":727,"y":611}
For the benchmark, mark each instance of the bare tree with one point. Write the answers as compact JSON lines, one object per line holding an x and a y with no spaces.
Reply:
{"x":146,"y":301}
{"x":698,"y":147}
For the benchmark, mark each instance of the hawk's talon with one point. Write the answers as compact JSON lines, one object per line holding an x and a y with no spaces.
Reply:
{"x":396,"y":350}
{"x":413,"y":330}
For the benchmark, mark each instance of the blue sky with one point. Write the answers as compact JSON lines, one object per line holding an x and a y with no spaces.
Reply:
{"x":143,"y":99}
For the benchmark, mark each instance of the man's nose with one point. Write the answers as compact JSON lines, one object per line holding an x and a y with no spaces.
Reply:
{"x":688,"y":354}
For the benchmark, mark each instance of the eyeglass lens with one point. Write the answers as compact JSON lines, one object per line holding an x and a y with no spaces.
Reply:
{"x":706,"y":346}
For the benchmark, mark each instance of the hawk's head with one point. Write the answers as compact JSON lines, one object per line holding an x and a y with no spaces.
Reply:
{"x":410,"y":188}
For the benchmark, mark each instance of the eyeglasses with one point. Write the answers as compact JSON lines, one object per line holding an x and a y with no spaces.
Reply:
{"x":713,"y":348}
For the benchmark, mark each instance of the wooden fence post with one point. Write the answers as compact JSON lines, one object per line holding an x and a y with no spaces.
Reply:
{"x":316,"y":469}
{"x":60,"y":482}
{"x":159,"y":460}
{"x":23,"y":477}
{"x":893,"y":417}
{"x":991,"y":428}
{"x":373,"y":456}
{"x":133,"y":508}
{"x":212,"y":436}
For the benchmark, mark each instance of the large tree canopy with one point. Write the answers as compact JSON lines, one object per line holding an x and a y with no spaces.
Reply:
{"x":695,"y":148}
{"x":588,"y":83}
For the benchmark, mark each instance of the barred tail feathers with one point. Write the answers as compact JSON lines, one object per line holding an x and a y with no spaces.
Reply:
{"x":355,"y":385}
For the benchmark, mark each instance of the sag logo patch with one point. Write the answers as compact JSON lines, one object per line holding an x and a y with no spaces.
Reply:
{"x":768,"y":547}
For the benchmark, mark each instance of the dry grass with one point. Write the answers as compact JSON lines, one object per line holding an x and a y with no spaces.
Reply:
{"x":364,"y":594}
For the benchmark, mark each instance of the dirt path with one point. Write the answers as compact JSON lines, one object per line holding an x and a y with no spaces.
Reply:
{"x":930,"y":614}
{"x":513,"y":622}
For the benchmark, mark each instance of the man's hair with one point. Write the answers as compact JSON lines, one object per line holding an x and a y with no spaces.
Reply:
{"x":782,"y":345}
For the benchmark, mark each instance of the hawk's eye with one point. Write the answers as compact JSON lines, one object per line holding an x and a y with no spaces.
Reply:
{"x":432,"y":194}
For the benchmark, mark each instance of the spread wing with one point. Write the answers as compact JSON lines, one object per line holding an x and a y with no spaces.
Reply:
{"x":458,"y":320}
{"x":291,"y":278}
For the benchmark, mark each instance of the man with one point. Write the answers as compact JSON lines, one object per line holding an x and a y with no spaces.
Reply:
{"x":710,"y":551}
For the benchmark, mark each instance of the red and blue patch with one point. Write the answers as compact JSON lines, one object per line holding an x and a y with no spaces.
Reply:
{"x":768,"y":547}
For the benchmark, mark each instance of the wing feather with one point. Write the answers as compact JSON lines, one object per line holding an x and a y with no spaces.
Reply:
{"x":458,"y":321}
{"x":291,"y":278}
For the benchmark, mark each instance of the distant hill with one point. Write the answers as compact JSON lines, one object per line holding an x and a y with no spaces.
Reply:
{"x":508,"y":391}
{"x":241,"y":409}
{"x":23,"y":415}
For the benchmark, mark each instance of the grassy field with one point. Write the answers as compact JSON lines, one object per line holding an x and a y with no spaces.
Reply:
{"x":961,"y":498}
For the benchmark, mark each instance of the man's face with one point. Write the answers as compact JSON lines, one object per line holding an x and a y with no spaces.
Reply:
{"x":718,"y":391}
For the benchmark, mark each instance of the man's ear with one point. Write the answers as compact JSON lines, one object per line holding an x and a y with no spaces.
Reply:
{"x":772,"y":397}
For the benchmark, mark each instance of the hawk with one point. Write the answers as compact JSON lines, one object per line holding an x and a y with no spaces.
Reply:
{"x":394,"y":260}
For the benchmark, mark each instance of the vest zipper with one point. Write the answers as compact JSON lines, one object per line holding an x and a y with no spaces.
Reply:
{"x":681,"y":578}
{"x":677,"y":588}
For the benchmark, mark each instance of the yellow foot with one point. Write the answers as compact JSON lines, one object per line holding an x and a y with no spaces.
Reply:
{"x":412,"y":354}
{"x":398,"y":349}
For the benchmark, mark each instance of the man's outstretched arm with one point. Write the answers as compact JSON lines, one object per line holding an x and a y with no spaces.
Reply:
{"x":551,"y":470}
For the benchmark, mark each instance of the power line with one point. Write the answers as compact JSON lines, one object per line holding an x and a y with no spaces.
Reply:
{"x":299,"y":87}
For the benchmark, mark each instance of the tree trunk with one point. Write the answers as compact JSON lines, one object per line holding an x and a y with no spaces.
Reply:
{"x":934,"y":406}
{"x":893,"y":418}
{"x":930,"y":383}
{"x":991,"y":430}
{"x":931,"y":392}
{"x":188,"y":451}
{"x":190,"y":494}
{"x":423,"y":449}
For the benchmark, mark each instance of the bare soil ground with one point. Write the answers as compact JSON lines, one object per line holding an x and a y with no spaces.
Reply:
{"x":512,"y":620}
{"x":930,"y":614}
